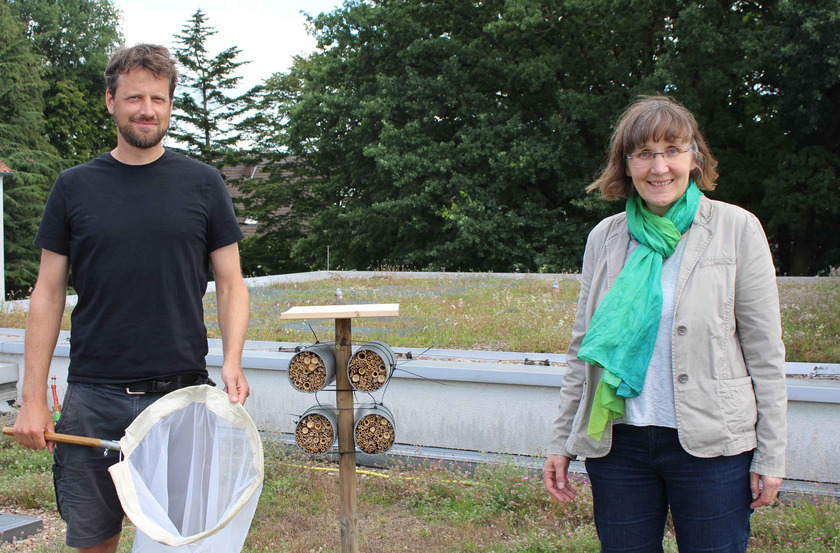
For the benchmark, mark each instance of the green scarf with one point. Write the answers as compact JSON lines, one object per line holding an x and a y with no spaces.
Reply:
{"x":622,"y":332}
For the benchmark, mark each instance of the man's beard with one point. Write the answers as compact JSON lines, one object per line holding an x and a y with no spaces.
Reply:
{"x":144,"y":141}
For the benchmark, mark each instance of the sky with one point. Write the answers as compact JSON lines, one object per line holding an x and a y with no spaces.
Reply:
{"x":269,"y":33}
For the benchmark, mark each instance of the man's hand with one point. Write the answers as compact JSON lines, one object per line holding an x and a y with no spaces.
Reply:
{"x":764,"y":489}
{"x":556,"y":478}
{"x":236,"y":385}
{"x":30,"y":426}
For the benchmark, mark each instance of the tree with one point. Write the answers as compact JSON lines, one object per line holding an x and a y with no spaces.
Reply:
{"x":442,"y":134}
{"x":205,"y":113}
{"x":75,"y":39}
{"x":23,"y":148}
{"x":281,"y":203}
{"x":764,"y":82}
{"x":802,"y":199}
{"x":461,"y":135}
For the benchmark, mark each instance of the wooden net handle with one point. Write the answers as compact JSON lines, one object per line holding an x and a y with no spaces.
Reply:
{"x":63,"y":438}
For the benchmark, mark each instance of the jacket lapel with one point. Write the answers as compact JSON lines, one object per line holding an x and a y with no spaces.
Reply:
{"x":616,"y":245}
{"x":699,"y":236}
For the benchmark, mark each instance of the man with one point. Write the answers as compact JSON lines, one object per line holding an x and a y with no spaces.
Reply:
{"x":138,"y":228}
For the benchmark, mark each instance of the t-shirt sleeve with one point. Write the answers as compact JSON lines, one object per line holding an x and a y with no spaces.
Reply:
{"x":53,"y":232}
{"x":223,"y":227}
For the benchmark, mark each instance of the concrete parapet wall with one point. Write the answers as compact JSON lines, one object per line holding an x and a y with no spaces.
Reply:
{"x":493,"y":402}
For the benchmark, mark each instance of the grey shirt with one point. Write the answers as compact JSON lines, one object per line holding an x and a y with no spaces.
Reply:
{"x":655,"y":405}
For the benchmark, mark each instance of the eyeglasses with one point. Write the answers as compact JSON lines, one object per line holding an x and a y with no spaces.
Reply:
{"x":645,"y":158}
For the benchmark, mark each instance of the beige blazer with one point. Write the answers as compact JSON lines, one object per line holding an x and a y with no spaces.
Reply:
{"x":728,"y":358}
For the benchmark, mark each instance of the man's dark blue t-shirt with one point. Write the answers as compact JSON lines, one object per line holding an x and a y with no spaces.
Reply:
{"x":138,"y":238}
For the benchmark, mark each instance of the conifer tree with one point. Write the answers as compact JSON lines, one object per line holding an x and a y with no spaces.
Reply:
{"x":206,"y":110}
{"x":24,"y":149}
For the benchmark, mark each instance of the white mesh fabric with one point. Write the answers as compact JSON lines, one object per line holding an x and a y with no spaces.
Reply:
{"x":192,"y":473}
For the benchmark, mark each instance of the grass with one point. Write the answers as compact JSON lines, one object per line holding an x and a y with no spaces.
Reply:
{"x":499,"y":314}
{"x":486,"y":313}
{"x":491,"y":313}
{"x":811,"y":320}
{"x":433,"y":509}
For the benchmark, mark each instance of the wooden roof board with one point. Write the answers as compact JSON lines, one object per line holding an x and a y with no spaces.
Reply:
{"x":341,"y":311}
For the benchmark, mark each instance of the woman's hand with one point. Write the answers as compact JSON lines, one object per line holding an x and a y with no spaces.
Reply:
{"x":764,"y":489}
{"x":556,"y":478}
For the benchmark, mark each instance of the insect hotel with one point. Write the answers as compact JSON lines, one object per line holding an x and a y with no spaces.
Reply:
{"x":368,"y":428}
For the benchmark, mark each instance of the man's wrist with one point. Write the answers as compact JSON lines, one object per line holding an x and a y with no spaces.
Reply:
{"x":34,"y":396}
{"x":34,"y":404}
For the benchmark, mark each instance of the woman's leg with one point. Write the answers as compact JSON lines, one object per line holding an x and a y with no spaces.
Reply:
{"x":628,"y":494}
{"x":709,"y":498}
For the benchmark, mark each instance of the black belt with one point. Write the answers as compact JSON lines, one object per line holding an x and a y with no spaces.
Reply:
{"x":161,"y":385}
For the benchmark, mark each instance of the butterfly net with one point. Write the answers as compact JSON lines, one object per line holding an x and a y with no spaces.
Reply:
{"x":192,"y":473}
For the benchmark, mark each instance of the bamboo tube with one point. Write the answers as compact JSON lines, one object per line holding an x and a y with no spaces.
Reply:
{"x":314,"y":434}
{"x":364,"y":372}
{"x":307,"y":371}
{"x":370,"y":366}
{"x":313,"y":368}
{"x":374,"y":434}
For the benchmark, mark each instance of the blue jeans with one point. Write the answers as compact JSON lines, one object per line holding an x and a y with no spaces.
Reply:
{"x":646,"y":472}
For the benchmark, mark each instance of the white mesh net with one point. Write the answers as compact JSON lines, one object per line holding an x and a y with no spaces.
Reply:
{"x":192,"y":473}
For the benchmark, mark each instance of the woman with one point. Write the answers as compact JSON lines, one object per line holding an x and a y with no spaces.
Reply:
{"x":675,"y":388}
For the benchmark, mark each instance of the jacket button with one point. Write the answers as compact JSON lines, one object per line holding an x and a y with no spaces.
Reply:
{"x":683,"y":378}
{"x":681,"y":330}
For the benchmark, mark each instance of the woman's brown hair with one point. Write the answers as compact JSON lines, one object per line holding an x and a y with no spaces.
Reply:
{"x":653,"y":118}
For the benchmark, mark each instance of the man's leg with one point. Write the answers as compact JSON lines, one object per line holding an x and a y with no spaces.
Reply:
{"x":85,"y":493}
{"x":107,"y":546}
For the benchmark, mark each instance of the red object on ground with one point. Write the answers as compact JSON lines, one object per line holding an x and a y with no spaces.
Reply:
{"x":56,"y":409}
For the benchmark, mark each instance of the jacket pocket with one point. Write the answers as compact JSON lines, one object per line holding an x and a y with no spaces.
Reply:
{"x":713,"y":292}
{"x":726,"y":260}
{"x":737,"y":399}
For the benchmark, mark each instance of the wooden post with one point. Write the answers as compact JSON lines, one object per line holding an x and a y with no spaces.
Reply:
{"x":346,"y":442}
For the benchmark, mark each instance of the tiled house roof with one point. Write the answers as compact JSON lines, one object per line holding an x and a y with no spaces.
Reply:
{"x":232,"y":175}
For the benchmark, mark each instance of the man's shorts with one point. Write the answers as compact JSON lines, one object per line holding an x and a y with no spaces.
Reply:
{"x":86,"y":496}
